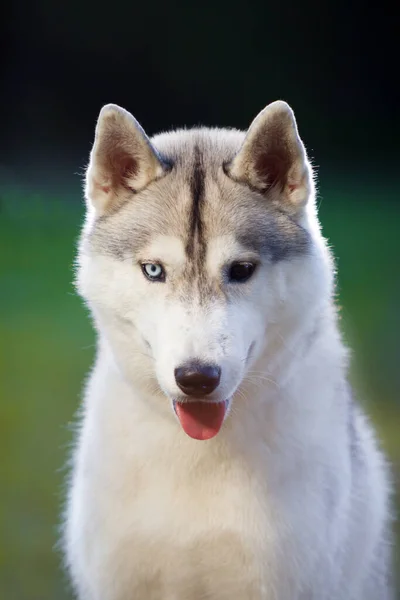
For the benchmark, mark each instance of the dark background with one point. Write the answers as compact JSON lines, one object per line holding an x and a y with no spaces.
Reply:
{"x":174,"y":65}
{"x":211,"y":63}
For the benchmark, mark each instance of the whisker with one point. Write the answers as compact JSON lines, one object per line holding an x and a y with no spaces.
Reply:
{"x":259,"y":376}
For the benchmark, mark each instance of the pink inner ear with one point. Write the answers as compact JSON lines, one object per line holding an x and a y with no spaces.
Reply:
{"x":272,"y":169}
{"x":122,"y":166}
{"x":128,"y":167}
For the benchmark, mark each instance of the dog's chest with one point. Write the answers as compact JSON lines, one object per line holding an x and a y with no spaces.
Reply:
{"x":204,"y":537}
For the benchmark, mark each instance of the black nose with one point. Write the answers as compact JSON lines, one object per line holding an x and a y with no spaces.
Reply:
{"x":197,"y":379}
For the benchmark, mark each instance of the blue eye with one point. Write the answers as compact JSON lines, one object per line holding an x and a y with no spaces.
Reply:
{"x":153,"y":271}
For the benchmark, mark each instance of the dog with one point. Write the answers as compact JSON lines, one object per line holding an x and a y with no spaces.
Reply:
{"x":220,"y":453}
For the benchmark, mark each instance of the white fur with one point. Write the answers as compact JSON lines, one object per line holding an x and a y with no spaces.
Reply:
{"x":272,"y":508}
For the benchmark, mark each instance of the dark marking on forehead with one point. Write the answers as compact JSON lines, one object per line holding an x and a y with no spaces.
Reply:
{"x":276,"y":236}
{"x":195,"y":229}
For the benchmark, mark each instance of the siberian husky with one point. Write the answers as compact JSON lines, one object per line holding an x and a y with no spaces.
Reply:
{"x":221,"y":455}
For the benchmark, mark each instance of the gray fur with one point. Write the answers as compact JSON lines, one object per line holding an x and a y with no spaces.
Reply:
{"x":199,"y":213}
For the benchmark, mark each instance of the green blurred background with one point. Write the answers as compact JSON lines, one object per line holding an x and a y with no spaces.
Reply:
{"x":174,"y":65}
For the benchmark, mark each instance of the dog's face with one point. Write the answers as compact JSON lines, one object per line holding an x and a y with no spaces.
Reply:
{"x":198,"y":253}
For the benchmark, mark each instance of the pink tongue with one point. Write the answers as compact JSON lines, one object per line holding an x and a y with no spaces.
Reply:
{"x":201,"y":420}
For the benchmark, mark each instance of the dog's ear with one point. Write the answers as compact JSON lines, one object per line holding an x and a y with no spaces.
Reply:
{"x":273,"y":160}
{"x":122,"y":160}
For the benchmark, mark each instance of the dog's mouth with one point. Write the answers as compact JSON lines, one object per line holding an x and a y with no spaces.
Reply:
{"x":200,"y":419}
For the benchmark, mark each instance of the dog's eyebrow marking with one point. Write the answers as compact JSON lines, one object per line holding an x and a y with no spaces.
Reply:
{"x":116,"y":238}
{"x":275,"y":236}
{"x":169,"y":249}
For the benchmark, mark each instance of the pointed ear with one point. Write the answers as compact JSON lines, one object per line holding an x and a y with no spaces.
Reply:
{"x":122,"y":160}
{"x":273,"y":160}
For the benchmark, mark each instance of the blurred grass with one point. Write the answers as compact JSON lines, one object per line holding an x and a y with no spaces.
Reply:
{"x":46,"y":346}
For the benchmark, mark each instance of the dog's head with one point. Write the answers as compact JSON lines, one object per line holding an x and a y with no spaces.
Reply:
{"x":201,"y":251}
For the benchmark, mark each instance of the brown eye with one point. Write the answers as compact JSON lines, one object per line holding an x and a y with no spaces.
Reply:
{"x":240,"y":272}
